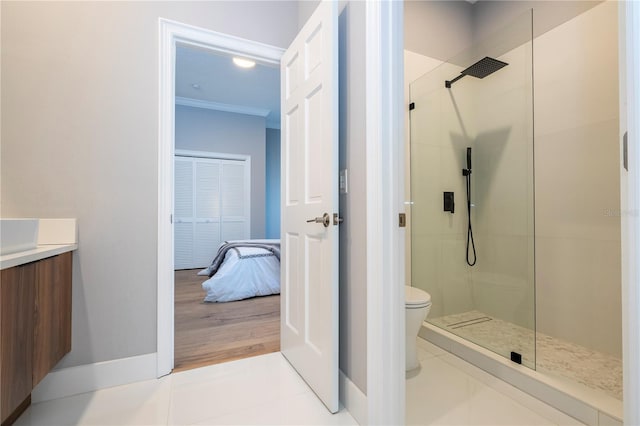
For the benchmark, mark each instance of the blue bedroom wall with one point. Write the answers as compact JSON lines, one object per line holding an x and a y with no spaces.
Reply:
{"x":273,"y":184}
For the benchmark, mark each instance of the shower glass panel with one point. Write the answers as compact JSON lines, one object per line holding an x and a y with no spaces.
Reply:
{"x":472,"y":192}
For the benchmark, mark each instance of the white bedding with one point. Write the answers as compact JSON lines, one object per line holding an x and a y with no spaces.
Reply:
{"x":245,"y":272}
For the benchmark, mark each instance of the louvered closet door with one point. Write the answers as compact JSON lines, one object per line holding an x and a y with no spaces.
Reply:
{"x":183,"y":214}
{"x":207,"y":219}
{"x":235,"y":203}
{"x":212,"y":204}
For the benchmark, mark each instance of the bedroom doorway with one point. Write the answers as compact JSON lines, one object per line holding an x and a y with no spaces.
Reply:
{"x":319,"y":68}
{"x":226,"y":182}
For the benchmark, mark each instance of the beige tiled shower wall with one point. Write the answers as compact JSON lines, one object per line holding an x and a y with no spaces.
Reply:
{"x":576,"y":153}
{"x":577,"y":162}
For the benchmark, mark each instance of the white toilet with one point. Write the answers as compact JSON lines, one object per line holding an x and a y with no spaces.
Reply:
{"x":417,"y":306}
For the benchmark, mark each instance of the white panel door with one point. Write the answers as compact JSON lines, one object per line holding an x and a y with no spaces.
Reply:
{"x":309,"y":264}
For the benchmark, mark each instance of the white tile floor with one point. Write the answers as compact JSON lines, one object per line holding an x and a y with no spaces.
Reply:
{"x":259,"y":390}
{"x":266,"y":390}
{"x":450,"y":391}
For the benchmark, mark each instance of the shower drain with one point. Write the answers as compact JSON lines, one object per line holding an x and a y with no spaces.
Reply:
{"x":469,"y":322}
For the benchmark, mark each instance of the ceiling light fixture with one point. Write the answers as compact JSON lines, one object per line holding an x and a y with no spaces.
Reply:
{"x":243,"y":62}
{"x":196,"y":86}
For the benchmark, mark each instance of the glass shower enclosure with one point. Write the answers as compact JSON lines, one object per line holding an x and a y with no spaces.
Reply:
{"x":472,"y":193}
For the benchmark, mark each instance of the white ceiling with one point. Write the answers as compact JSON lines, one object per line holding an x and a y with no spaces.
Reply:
{"x":222,"y":82}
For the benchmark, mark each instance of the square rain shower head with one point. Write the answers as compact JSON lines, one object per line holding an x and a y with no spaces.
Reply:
{"x":484,"y":67}
{"x":480,"y":69}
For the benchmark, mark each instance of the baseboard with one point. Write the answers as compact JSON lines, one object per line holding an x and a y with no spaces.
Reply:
{"x":353,"y":399}
{"x":90,"y":377}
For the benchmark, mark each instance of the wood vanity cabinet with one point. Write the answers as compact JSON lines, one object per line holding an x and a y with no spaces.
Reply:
{"x":52,"y":314}
{"x":35,"y":312}
{"x":16,"y":302}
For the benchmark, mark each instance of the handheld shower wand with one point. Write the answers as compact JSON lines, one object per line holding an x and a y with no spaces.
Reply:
{"x":467,"y":174}
{"x":467,"y":171}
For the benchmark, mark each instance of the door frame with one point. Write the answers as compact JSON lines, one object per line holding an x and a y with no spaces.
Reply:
{"x":170,"y":34}
{"x":385,"y":158}
{"x":384,"y":28}
{"x":629,"y":41}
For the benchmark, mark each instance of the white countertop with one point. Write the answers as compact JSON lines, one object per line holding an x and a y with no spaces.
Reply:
{"x":40,"y":252}
{"x":55,"y":236}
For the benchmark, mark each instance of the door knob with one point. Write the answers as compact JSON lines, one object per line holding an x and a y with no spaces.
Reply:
{"x":325,"y":220}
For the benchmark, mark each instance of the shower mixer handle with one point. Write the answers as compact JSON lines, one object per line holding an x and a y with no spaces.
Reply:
{"x":449,"y":203}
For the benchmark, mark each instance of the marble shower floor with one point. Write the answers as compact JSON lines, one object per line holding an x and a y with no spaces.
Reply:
{"x":553,"y":356}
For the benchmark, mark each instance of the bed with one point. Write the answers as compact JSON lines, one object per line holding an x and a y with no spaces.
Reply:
{"x":242,"y":269}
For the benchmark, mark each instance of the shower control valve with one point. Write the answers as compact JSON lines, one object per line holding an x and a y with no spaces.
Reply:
{"x":449,"y":203}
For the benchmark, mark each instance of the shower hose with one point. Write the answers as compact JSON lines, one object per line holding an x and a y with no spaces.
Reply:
{"x":469,"y":230}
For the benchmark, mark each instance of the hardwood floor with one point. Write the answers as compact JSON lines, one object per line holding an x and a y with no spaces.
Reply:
{"x":211,"y":333}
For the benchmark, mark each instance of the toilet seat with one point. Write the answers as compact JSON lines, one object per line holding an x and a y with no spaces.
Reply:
{"x":414,"y":298}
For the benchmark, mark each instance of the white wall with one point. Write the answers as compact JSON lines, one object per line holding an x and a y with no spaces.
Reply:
{"x":200,"y":129}
{"x":353,"y":239}
{"x":79,"y":139}
{"x":578,"y":181}
{"x":273,"y":184}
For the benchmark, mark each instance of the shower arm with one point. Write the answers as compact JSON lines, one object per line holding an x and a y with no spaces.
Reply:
{"x":448,"y":83}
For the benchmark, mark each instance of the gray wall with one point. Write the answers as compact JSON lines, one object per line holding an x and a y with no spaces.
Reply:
{"x":307,"y":7}
{"x":202,"y":129}
{"x":353,"y":238}
{"x":438,"y":29}
{"x":442,"y":29}
{"x":490,"y":15}
{"x":79,"y":139}
{"x":273,"y":184}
